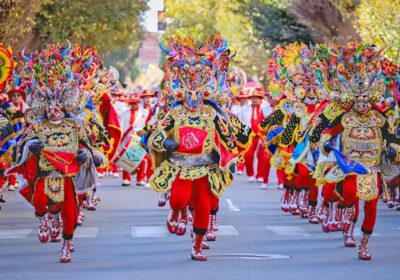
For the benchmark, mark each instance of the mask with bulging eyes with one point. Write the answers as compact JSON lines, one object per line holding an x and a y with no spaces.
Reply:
{"x":193,"y":100}
{"x":311,"y":97}
{"x":55,"y":112}
{"x":193,"y":75}
{"x":361,"y":103}
{"x":308,"y":96}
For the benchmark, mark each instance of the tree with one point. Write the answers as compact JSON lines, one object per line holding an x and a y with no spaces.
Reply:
{"x":113,"y":27}
{"x":17,"y":18}
{"x":274,"y":23}
{"x":126,"y":62}
{"x":106,"y":25}
{"x":379,"y":22}
{"x":325,"y":20}
{"x":201,"y":18}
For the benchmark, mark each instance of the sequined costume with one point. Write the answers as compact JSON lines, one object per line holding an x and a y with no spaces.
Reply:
{"x":54,"y":155}
{"x":367,"y":140}
{"x":6,"y":128}
{"x":195,"y":144}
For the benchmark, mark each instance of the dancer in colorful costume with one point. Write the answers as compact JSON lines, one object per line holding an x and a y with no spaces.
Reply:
{"x":6,"y":127}
{"x":54,"y":154}
{"x":12,"y":108}
{"x":273,"y":125}
{"x":195,"y":144}
{"x":367,"y":139}
{"x":85,"y":63}
{"x":391,"y":79}
{"x":306,"y":76}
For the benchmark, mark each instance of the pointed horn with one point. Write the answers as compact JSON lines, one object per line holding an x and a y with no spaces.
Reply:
{"x":89,"y":62}
{"x":68,"y":49}
{"x":24,"y":56}
{"x":164,"y":49}
{"x":223,"y":48}
{"x":380,"y":50}
{"x":69,"y":75}
{"x":17,"y":79}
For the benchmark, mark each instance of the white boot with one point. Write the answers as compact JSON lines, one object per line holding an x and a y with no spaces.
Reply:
{"x":55,"y":227}
{"x":65,"y":252}
{"x":43,"y":232}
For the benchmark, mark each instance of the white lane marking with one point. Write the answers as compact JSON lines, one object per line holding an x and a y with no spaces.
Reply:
{"x":357,"y":232}
{"x":227,"y":230}
{"x":161,"y":231}
{"x":249,"y":256}
{"x":232,"y":207}
{"x":288,"y":230}
{"x":86,"y":232}
{"x":149,"y":231}
{"x":13,"y":233}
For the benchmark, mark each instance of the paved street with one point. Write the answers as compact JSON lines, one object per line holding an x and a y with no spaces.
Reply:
{"x":126,"y":238}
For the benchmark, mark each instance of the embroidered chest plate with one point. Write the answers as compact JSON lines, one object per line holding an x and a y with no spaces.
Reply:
{"x":362,"y":139}
{"x":61,"y":137}
{"x":194,"y":130}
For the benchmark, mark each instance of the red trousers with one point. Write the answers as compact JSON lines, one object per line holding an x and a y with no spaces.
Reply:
{"x":12,"y":180}
{"x":263,"y":164}
{"x":200,"y":197}
{"x":280,"y":174}
{"x":329,"y":194}
{"x":305,"y":181}
{"x":101,"y":170}
{"x":214,"y":205}
{"x":112,"y":168}
{"x":240,"y":166}
{"x":143,"y":172}
{"x":2,"y":182}
{"x":370,"y":207}
{"x":68,"y":208}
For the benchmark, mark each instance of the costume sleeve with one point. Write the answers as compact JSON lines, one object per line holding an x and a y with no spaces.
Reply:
{"x":84,"y":141}
{"x":290,"y":130}
{"x":389,"y":134}
{"x":391,"y":138}
{"x":160,"y":134}
{"x":102,"y":137}
{"x":242,"y":133}
{"x":328,"y":133}
{"x":274,"y":118}
{"x":6,"y":129}
{"x":21,"y":150}
{"x":321,"y":123}
{"x":226,"y":141}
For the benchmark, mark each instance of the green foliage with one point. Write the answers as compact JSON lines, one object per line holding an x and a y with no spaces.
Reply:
{"x":378,"y":21}
{"x":113,"y":27}
{"x":346,"y":7}
{"x":325,"y":20}
{"x":17,"y":18}
{"x":274,"y":24}
{"x":126,"y":62}
{"x":199,"y":19}
{"x":106,"y":25}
